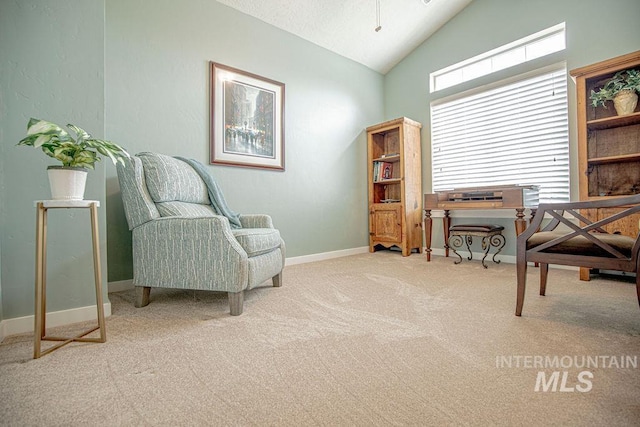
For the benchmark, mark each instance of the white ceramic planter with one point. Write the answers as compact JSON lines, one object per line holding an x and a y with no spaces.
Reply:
{"x":67,"y":183}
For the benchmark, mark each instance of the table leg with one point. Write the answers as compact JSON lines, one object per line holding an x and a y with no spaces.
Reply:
{"x":40,"y":314}
{"x":39,"y":323}
{"x":446,"y":225}
{"x":521,"y":223}
{"x":97,"y":271}
{"x":428,"y":228}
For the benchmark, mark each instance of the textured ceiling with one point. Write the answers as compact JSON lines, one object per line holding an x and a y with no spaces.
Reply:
{"x":347,"y":27}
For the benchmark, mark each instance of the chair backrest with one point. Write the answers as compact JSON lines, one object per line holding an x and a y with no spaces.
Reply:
{"x":155,"y":185}
{"x":587,"y":244}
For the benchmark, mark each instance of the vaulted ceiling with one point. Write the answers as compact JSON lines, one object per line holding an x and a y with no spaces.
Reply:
{"x":348,"y":27}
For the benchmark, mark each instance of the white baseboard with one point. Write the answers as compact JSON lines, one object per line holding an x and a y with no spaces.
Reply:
{"x":325,"y":255}
{"x":23,"y":325}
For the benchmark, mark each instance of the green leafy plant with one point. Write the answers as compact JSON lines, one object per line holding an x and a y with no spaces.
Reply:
{"x":622,"y":80}
{"x":82,"y":151}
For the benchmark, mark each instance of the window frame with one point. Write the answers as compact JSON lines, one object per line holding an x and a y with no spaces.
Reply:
{"x":489,"y":58}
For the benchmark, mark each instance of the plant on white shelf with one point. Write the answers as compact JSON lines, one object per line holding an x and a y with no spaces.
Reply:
{"x":76,"y":153}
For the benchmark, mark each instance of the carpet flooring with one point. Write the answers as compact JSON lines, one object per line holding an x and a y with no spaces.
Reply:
{"x":366,"y":340}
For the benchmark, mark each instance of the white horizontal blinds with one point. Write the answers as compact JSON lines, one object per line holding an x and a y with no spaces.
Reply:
{"x":516,"y":133}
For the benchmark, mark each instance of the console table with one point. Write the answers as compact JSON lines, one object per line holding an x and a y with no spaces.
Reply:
{"x":40,"y":335}
{"x":518,"y":197}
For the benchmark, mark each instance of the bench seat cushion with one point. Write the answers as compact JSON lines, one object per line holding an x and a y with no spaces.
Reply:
{"x":477,"y":228}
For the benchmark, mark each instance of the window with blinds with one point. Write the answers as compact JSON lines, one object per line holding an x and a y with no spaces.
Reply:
{"x":526,"y":49}
{"x":514,"y":132}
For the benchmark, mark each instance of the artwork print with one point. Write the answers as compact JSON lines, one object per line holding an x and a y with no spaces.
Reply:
{"x":248,"y":120}
{"x":247,"y":124}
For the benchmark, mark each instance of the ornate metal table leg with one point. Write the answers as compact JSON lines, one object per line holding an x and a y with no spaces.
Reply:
{"x":496,"y":240}
{"x":469,"y":241}
{"x":486,"y":245}
{"x":455,"y":241}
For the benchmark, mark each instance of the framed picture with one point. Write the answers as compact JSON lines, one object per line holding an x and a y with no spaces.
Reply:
{"x":247,"y":119}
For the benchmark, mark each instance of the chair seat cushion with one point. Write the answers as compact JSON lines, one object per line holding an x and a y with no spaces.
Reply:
{"x":580,"y":245}
{"x":257,"y":241}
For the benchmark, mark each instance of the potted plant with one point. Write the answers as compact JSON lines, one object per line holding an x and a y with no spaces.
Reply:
{"x":622,"y":89}
{"x":77,"y":154}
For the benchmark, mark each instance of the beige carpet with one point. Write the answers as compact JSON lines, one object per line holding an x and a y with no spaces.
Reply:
{"x":372,"y":339}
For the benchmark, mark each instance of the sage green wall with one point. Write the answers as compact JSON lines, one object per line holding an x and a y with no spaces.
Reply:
{"x":51,"y":67}
{"x":3,"y":211}
{"x":157,"y":99}
{"x":148,"y":89}
{"x":595,"y":31}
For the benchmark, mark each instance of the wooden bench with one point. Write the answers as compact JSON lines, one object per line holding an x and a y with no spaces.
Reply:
{"x":464,"y":233}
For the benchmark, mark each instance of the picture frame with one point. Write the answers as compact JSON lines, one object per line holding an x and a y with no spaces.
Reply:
{"x":247,"y":119}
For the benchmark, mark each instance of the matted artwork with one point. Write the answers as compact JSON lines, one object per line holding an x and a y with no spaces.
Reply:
{"x":247,"y":119}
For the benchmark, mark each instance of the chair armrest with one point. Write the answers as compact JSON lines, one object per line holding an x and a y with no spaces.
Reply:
{"x":256,"y":221}
{"x":215,"y":230}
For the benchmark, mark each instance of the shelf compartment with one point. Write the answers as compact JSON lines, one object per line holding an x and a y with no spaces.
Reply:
{"x":385,"y":144}
{"x":389,"y":189}
{"x":614,"y":179}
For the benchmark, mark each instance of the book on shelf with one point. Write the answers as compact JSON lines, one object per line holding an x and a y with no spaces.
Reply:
{"x":382,"y":171}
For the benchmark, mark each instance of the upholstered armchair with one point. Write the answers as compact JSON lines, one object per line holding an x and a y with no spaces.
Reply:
{"x":186,"y":237}
{"x":560,"y":233}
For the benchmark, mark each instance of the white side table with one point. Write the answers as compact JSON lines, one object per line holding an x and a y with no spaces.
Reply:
{"x":41,"y":275}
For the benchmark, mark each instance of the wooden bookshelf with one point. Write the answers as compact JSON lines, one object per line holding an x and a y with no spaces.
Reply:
{"x":608,"y":144}
{"x":395,"y":185}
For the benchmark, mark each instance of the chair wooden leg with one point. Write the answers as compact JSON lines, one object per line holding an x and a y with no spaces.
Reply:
{"x":236,"y":302}
{"x":521,"y":274}
{"x":544,"y":272}
{"x":142,"y":296}
{"x":277,"y":280}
